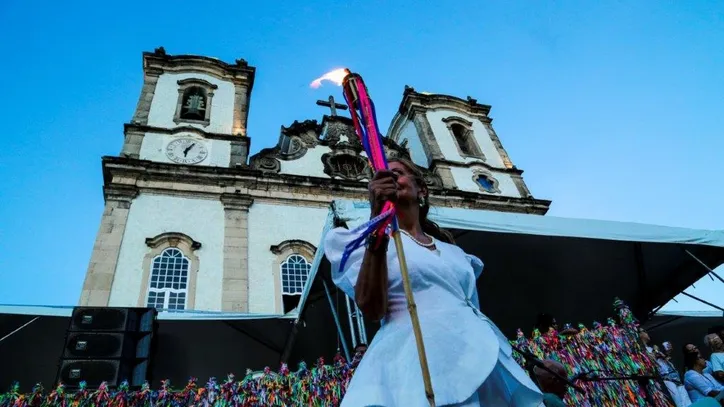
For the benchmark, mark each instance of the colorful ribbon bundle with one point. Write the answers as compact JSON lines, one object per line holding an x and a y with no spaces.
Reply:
{"x":608,"y":350}
{"x":364,"y":118}
{"x":324,"y":385}
{"x":604,"y":351}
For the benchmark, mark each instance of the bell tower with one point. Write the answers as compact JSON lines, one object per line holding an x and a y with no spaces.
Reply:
{"x":173,"y":233}
{"x":455,"y":139}
{"x":192,"y":110}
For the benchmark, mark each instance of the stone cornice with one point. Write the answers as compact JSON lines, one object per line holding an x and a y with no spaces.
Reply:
{"x":212,"y":182}
{"x":410,"y":99}
{"x":134,"y":127}
{"x":240,"y":72}
{"x":153,"y":242}
{"x":196,"y":81}
{"x":457,"y":119}
{"x":236,"y":201}
{"x":288,"y":244}
{"x":477,"y":163}
{"x":120,"y":192}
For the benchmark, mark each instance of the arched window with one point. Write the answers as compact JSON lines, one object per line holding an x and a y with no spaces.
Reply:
{"x":461,"y":137}
{"x":194,"y":101}
{"x":169,"y":283}
{"x":292,"y":267}
{"x":295,"y":271}
{"x":170,"y":269}
{"x":464,"y":137}
{"x":193,"y":106}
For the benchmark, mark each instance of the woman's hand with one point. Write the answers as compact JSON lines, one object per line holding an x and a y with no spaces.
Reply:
{"x":383,"y":188}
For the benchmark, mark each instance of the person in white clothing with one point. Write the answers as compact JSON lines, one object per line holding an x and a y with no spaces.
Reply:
{"x":699,"y":384}
{"x":671,"y":376}
{"x":469,"y":359}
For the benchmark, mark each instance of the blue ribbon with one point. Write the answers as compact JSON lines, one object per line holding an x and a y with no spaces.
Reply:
{"x":366,"y":229}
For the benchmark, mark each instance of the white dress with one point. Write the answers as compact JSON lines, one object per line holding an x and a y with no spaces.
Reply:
{"x":469,"y":358}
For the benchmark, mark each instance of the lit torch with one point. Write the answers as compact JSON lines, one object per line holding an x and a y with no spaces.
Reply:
{"x":362,"y":110}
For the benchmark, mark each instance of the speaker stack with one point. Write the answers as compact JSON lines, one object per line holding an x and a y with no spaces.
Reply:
{"x":110,"y":345}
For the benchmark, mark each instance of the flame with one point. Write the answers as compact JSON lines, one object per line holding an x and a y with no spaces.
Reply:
{"x":336,"y":76}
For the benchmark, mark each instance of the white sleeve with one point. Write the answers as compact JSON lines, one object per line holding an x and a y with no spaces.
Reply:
{"x":477,"y":265}
{"x":335,"y":243}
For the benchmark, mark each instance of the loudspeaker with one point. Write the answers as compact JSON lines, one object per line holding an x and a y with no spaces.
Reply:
{"x":108,"y":319}
{"x":96,"y":371}
{"x":105,"y":344}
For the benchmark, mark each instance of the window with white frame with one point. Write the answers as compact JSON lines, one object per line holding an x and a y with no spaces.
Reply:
{"x":168,"y":285}
{"x":295,"y":271}
{"x":292,"y":266}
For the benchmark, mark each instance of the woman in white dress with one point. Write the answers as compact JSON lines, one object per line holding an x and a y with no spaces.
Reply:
{"x":470,"y":360}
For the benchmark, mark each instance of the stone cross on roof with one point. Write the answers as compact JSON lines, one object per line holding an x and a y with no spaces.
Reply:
{"x":332,"y":105}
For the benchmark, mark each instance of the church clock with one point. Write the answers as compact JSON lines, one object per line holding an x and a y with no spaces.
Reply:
{"x":186,"y":151}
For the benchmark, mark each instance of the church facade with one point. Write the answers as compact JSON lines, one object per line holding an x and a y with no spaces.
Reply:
{"x":192,"y":222}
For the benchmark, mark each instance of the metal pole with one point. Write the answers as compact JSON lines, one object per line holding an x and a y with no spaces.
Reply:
{"x":705,"y":266}
{"x":703,"y":301}
{"x":336,"y":320}
{"x":360,"y":325}
{"x":351,"y":325}
{"x":23,"y":326}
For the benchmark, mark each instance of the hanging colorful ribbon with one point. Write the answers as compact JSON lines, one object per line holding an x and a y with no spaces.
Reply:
{"x":364,"y":118}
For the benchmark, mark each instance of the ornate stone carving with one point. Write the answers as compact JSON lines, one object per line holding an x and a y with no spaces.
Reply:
{"x":433,"y":181}
{"x":298,"y":128}
{"x":346,"y":166}
{"x":341,"y":133}
{"x":394,"y":150}
{"x":266,"y":163}
{"x":291,"y":148}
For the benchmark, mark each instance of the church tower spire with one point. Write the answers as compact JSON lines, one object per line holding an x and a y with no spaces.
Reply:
{"x":454,"y":138}
{"x":194,"y":96}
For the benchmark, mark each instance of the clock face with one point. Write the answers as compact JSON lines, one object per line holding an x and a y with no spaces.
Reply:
{"x":186,"y":151}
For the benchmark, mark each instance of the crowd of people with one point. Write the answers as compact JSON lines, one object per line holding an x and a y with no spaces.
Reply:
{"x":702,"y":382}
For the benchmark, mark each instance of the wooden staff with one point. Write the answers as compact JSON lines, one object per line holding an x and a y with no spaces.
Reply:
{"x":356,"y":94}
{"x":412,"y":308}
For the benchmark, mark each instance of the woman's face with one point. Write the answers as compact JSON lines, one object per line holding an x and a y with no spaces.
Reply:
{"x":407,"y":188}
{"x":700,"y":363}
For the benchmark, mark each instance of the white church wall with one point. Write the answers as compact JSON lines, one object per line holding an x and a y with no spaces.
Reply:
{"x":464,"y":180}
{"x":309,"y":165}
{"x":414,"y":144}
{"x":151,"y":215}
{"x":447,"y":143}
{"x":269,"y":225}
{"x":165,"y":99}
{"x":153,"y":148}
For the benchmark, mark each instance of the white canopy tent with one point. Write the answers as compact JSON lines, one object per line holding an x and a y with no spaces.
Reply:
{"x":570,"y":268}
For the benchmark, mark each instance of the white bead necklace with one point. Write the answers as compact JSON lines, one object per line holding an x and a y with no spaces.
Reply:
{"x":428,"y":245}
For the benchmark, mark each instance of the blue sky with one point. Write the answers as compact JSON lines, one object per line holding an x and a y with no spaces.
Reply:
{"x":613,"y":110}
